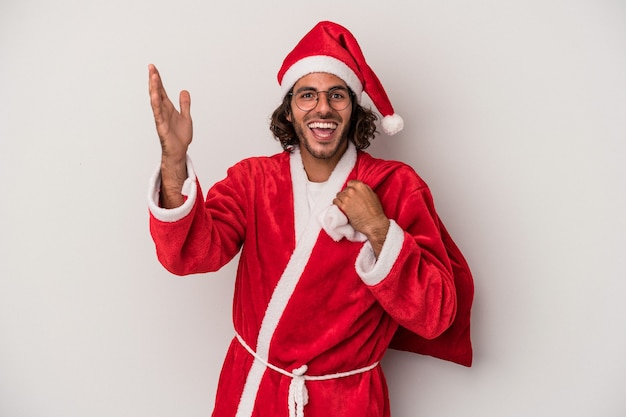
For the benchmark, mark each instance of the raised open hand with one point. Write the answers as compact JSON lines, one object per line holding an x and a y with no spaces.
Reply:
{"x":175,"y":131}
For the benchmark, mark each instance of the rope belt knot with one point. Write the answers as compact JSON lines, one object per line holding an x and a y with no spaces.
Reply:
{"x":298,"y":394}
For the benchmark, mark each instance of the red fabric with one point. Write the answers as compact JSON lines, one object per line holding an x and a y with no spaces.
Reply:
{"x":454,"y":344}
{"x":333,"y":321}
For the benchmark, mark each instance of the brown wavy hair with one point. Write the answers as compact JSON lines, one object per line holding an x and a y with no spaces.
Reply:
{"x":362,"y":125}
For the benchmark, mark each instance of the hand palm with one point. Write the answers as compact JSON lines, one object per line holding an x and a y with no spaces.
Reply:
{"x":175,"y":129}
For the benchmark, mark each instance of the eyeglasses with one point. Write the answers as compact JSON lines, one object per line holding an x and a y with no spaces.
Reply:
{"x":338,"y":98}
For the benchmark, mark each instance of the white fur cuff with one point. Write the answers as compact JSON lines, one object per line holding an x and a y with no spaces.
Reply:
{"x":373,"y":271}
{"x":190,"y":190}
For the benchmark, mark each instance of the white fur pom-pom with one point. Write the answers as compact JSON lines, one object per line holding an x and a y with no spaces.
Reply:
{"x":392,"y":124}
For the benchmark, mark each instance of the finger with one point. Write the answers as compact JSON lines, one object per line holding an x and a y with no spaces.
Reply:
{"x":353,"y":186}
{"x":152,"y":69}
{"x":154,"y":79}
{"x":341,"y":195}
{"x":162,"y":107}
{"x":154,"y":87}
{"x":339,"y":205}
{"x":360,"y":186}
{"x":185,"y":104}
{"x":154,"y":74}
{"x":157,"y":91}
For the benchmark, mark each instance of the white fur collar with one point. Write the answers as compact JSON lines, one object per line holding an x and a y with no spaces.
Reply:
{"x":302,"y":214}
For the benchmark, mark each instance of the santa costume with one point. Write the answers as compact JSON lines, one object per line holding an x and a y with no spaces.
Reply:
{"x":314,"y":309}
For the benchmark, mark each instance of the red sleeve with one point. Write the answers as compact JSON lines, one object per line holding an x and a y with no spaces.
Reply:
{"x":418,"y":290}
{"x":423,"y":281}
{"x":210,"y":235}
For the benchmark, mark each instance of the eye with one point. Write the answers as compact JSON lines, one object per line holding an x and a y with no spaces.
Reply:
{"x":307,"y":95}
{"x":337,"y":95}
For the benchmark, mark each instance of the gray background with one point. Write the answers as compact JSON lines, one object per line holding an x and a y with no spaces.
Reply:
{"x":515,"y":116}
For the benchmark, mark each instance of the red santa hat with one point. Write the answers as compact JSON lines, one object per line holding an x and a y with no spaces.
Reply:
{"x":331,"y":48}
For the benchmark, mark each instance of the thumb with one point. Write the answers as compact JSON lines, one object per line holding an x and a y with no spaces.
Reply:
{"x":185,"y":103}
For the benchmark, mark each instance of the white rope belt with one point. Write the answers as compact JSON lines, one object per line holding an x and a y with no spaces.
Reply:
{"x":298,"y":394}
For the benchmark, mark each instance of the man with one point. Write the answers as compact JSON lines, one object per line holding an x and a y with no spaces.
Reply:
{"x":342,"y":254}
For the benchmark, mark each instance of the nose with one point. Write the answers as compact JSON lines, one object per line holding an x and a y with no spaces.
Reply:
{"x":322,"y":105}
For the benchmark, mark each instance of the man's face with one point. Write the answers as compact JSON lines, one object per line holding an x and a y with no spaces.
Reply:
{"x":322,"y":131}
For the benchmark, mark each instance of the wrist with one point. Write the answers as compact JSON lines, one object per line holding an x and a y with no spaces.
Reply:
{"x":174,"y":161}
{"x":173,"y":176}
{"x":174,"y":168}
{"x":377,"y":234}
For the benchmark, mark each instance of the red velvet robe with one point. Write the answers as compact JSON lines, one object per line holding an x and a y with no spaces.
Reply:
{"x":326,"y":302}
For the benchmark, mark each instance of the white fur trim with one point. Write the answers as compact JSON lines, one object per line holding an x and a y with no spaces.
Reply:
{"x":304,"y":243}
{"x":374,"y":271}
{"x":336,"y":224}
{"x":189,"y":190}
{"x":302,"y":212}
{"x":300,"y":200}
{"x":321,"y":63}
{"x":298,"y":261}
{"x":250,"y":389}
{"x":392,"y":124}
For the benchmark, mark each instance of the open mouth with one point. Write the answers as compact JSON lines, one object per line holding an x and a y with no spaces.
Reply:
{"x":322,"y":129}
